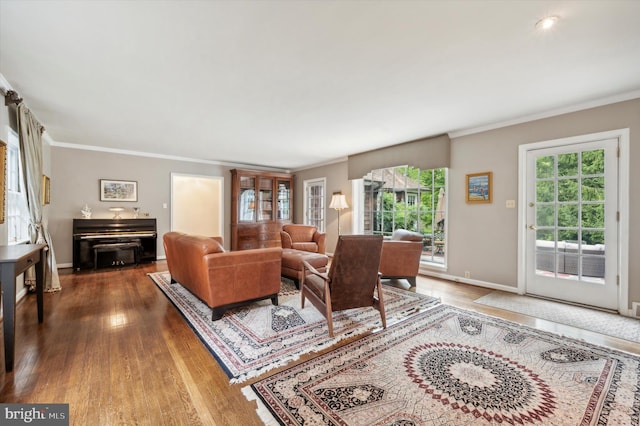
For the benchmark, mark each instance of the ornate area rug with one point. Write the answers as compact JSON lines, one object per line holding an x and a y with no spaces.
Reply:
{"x":449,"y":366}
{"x":255,"y":338}
{"x":576,"y":316}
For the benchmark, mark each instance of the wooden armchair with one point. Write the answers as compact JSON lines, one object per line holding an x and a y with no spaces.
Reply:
{"x":351,"y":281}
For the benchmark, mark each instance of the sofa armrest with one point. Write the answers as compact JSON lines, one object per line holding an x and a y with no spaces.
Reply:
{"x":319,"y":238}
{"x":285,"y":239}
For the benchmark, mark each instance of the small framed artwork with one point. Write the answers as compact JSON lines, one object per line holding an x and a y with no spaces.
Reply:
{"x":479,"y":187}
{"x":46,"y":190}
{"x":118,"y":190}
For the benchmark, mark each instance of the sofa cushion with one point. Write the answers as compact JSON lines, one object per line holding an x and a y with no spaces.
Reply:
{"x":305,"y":246}
{"x":292,"y":259}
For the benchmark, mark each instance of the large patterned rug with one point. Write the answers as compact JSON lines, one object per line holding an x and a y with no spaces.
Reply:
{"x":449,"y":366}
{"x":258,"y":337}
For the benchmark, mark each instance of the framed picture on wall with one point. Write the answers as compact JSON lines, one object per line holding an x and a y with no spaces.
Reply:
{"x":479,"y":187}
{"x":118,"y":190}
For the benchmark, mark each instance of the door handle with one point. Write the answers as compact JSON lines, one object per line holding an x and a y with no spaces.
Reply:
{"x":532,"y":227}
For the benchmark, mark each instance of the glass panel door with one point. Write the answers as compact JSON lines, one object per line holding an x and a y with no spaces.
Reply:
{"x":314,"y":203}
{"x":284,"y":200}
{"x":572,"y":206}
{"x":247,"y":199}
{"x":265,"y":195}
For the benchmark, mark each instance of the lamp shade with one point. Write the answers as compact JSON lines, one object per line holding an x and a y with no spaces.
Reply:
{"x":338,"y":202}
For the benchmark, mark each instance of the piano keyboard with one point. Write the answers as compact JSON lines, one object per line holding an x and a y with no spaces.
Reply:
{"x":118,"y":235}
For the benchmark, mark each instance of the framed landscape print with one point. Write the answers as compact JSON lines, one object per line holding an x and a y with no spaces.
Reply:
{"x":479,"y":187}
{"x":118,"y":190}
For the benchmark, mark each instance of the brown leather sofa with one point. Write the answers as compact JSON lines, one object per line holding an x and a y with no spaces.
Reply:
{"x":222,"y":279}
{"x":302,"y":237}
{"x":401,"y":255}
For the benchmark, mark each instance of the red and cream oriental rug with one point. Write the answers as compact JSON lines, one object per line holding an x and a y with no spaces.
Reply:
{"x":258,"y":337}
{"x":449,"y":366}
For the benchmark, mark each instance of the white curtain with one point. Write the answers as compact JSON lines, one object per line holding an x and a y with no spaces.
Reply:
{"x":30,"y":133}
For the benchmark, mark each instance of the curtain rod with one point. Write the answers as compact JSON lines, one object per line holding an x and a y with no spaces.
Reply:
{"x":12,"y":97}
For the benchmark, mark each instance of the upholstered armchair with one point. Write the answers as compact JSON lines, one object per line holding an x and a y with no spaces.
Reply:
{"x":302,"y":237}
{"x":353,"y":280}
{"x":401,"y":256}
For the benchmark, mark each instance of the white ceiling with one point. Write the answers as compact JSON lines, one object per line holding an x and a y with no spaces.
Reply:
{"x":290,"y":84}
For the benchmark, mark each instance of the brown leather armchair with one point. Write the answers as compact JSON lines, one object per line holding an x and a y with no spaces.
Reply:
{"x":401,"y":255}
{"x":352,"y":279}
{"x":302,"y":237}
{"x":220,"y":278}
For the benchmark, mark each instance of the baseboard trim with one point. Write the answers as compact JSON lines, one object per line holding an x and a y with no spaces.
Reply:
{"x":478,"y":283}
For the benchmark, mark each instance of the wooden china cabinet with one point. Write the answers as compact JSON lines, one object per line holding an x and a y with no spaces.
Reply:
{"x":261,"y":202}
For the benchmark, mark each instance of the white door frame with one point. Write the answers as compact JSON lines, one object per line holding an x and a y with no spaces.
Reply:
{"x":623,"y":207}
{"x":220,"y":199}
{"x":306,"y":184}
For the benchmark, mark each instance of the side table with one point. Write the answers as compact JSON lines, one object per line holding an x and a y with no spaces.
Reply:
{"x":14,"y":260}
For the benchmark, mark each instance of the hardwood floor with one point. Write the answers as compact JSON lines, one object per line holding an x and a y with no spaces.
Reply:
{"x":116,"y":350}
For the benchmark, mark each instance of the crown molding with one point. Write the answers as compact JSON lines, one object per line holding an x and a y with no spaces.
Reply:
{"x":326,"y":163}
{"x":162,"y":156}
{"x":551,"y":113}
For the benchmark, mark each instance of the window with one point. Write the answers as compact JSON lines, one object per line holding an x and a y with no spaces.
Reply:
{"x":17,"y":212}
{"x":408,"y":198}
{"x":314,"y":203}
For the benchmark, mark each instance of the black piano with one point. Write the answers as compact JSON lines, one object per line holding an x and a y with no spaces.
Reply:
{"x":100,"y":243}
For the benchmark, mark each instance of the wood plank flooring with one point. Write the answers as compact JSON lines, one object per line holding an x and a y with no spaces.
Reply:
{"x":115,"y":349}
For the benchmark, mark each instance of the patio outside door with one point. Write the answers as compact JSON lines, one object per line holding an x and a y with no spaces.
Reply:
{"x":572,"y":228}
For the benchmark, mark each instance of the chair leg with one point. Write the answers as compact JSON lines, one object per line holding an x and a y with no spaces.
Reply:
{"x":383,"y":315}
{"x":301,"y":287}
{"x":412,"y":281}
{"x":328,"y":310}
{"x":330,"y":322}
{"x":217,"y":313}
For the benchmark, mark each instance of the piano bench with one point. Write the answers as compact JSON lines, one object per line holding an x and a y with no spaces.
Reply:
{"x":110,"y":247}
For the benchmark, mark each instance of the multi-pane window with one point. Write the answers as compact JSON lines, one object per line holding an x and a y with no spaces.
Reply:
{"x":408,"y":198}
{"x":314,"y":203}
{"x":17,"y":213}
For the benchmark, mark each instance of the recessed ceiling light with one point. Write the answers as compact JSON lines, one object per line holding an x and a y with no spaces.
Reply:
{"x":546,"y":23}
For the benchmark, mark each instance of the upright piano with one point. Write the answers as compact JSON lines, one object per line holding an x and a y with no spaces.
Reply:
{"x":90,"y":233}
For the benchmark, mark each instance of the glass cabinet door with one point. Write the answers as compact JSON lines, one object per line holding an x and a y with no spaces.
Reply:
{"x":284,"y":200}
{"x":265,"y":192}
{"x":247,"y":199}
